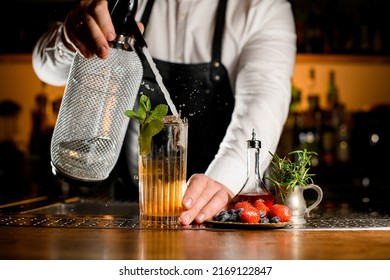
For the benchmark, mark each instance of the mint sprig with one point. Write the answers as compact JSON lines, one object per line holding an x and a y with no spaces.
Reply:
{"x":151,"y":121}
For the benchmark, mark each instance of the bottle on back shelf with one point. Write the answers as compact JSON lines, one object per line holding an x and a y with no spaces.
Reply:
{"x":309,"y":123}
{"x":337,"y":119}
{"x":332,"y":93}
{"x":330,"y":122}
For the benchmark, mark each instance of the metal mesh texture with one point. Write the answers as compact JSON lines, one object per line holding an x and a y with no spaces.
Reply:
{"x":91,"y":124}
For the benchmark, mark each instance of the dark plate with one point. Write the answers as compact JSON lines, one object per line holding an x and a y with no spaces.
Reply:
{"x":246,"y":225}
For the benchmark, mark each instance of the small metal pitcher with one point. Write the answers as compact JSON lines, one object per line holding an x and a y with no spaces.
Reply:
{"x":297,"y":203}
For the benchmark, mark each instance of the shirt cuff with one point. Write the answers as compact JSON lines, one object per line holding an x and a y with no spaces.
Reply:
{"x":229,"y":171}
{"x":61,"y":52}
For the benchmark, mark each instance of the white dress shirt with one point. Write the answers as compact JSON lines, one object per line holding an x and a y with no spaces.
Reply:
{"x":258,"y":50}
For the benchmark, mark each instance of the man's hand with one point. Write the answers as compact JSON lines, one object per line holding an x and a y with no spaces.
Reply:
{"x":89,"y":28}
{"x":203,"y":198}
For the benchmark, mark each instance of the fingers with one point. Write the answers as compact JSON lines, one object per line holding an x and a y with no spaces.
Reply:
{"x":73,"y":31}
{"x":103,"y":20}
{"x":88,"y":28}
{"x":141,"y":27}
{"x":204,"y":197}
{"x":100,"y":27}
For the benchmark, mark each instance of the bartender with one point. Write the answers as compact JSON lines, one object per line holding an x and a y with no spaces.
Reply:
{"x":227,"y":66}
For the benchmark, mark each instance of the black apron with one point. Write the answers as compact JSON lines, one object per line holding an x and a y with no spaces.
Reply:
{"x":201,"y":93}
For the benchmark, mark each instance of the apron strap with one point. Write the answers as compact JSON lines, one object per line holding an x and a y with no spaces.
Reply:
{"x":147,"y":11}
{"x":216,"y":65}
{"x":219,"y":26}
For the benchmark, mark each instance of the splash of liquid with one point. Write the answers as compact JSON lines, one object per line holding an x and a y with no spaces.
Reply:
{"x":160,"y":82}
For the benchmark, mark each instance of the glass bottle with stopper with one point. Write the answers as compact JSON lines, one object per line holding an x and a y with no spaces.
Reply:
{"x":254,"y":187}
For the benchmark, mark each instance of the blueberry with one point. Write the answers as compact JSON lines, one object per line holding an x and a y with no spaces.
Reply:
{"x":262,"y":214}
{"x":264,"y":220}
{"x":223,"y":216}
{"x":275,"y":219}
{"x":231,"y":211}
{"x":218,"y":216}
{"x":233,"y":217}
{"x":239,"y":210}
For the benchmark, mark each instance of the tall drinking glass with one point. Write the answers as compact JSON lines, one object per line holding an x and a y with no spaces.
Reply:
{"x":162,"y":175}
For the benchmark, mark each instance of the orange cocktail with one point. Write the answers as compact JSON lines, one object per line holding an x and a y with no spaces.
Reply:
{"x":162,"y":175}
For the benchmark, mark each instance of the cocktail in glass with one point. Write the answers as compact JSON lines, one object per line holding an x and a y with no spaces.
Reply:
{"x":162,"y":175}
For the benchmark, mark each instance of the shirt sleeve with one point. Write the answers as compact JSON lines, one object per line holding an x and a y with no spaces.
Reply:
{"x":262,"y":86}
{"x":51,"y":60}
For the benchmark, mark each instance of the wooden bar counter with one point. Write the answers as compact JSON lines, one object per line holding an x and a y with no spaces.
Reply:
{"x":197,"y":243}
{"x":78,"y":229}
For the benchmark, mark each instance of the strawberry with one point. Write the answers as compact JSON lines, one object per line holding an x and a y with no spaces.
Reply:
{"x":280,"y":211}
{"x":259,"y":205}
{"x":250,"y":215}
{"x":242,"y":204}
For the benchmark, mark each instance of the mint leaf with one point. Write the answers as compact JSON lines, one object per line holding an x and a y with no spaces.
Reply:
{"x":134,"y":115}
{"x":142,"y":114}
{"x":148,"y":130}
{"x":151,"y":122}
{"x":145,"y":104}
{"x":153,"y":127}
{"x":159,"y":112}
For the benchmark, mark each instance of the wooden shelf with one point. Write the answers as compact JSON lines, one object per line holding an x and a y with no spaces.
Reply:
{"x":341,"y":59}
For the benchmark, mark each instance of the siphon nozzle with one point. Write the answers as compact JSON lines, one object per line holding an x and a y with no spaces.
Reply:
{"x":122,"y":14}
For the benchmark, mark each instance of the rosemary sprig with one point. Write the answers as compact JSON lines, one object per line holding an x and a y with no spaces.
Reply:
{"x":287,"y":174}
